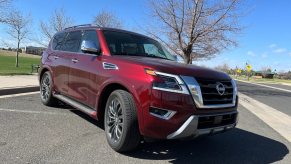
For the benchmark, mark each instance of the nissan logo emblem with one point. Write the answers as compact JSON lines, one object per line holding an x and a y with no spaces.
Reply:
{"x":220,"y":88}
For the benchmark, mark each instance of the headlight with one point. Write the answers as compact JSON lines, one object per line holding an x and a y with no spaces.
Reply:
{"x":167,"y":82}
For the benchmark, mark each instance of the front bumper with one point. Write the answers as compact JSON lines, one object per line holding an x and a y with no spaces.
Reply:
{"x":192,"y":129}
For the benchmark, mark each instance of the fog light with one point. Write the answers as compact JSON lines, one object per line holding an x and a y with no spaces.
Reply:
{"x":161,"y":113}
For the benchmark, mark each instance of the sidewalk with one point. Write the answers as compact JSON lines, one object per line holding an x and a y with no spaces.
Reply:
{"x":18,"y":84}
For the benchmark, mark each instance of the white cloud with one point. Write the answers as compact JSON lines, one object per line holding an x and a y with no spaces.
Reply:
{"x":280,"y":50}
{"x":273,"y":45}
{"x":251,"y":53}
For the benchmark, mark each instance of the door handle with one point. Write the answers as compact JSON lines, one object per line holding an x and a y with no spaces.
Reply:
{"x":75,"y":60}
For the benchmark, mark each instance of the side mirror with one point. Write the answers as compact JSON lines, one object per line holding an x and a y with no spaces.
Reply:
{"x":90,"y":47}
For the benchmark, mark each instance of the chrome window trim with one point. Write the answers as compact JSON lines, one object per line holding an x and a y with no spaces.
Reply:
{"x":179,"y":80}
{"x":196,"y":93}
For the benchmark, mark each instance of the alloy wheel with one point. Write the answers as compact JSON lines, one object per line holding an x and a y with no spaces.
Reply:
{"x":114,"y":120}
{"x":45,"y":88}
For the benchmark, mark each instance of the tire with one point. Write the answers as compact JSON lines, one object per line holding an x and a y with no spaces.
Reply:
{"x":120,"y":122}
{"x":46,"y":84}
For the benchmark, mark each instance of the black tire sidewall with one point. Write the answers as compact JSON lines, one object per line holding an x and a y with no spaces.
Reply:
{"x":127,"y":124}
{"x":46,"y":102}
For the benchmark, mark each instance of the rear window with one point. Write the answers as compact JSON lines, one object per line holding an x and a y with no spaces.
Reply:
{"x":73,"y":42}
{"x":58,"y":41}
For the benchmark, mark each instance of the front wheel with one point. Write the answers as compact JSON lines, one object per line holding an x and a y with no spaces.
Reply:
{"x":121,"y":124}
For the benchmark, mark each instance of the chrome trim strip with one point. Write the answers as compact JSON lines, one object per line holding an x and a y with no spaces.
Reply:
{"x":196,"y":93}
{"x":109,"y":66}
{"x":75,"y":104}
{"x":186,"y":129}
{"x":179,"y":80}
{"x":167,"y":116}
{"x":189,"y":128}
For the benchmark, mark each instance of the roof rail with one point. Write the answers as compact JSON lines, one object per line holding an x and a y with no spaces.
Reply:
{"x":82,"y":25}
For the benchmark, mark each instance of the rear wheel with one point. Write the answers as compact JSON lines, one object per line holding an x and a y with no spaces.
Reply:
{"x":46,"y":90}
{"x":121,"y":125}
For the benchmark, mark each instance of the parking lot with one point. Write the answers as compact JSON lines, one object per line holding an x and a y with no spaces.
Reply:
{"x":33,"y":133}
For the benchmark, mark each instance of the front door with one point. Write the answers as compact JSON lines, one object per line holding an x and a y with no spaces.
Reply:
{"x":83,"y":68}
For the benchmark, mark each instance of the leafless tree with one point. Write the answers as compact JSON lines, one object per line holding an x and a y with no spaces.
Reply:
{"x":195,"y":29}
{"x":4,"y":4}
{"x":224,"y":68}
{"x":18,"y":28}
{"x":107,"y":19}
{"x":57,"y":22}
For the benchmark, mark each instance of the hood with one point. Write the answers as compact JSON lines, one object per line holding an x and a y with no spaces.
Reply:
{"x":173,"y":67}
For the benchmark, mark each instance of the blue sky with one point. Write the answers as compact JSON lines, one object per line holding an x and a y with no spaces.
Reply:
{"x":265,"y":41}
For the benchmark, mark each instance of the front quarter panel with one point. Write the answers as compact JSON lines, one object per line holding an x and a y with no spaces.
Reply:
{"x":133,"y":78}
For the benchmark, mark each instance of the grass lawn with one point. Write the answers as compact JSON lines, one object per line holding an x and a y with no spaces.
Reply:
{"x":263,"y":80}
{"x":7,"y":63}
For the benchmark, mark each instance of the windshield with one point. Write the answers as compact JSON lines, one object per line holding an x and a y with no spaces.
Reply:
{"x":121,"y":43}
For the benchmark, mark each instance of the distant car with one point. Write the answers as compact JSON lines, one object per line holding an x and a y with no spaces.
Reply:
{"x":135,"y":86}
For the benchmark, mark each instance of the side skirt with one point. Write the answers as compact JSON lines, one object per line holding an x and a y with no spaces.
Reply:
{"x":91,"y":112}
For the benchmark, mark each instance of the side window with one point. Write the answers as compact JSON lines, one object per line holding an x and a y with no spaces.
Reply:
{"x":91,"y":35}
{"x":58,"y":41}
{"x":73,"y":42}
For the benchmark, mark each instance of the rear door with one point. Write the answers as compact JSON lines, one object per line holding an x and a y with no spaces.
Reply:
{"x":76,"y":77}
{"x":60,"y":64}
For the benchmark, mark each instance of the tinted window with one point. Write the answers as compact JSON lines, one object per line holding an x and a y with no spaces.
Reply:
{"x":122,"y":43}
{"x":58,"y":41}
{"x":73,"y":42}
{"x":91,"y":36}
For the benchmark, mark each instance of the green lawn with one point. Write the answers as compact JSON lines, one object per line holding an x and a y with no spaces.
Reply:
{"x":7,"y":65}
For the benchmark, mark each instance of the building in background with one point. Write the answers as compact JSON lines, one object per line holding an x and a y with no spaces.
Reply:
{"x":34,"y":50}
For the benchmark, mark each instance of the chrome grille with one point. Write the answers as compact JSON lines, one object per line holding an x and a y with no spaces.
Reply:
{"x":210,"y":94}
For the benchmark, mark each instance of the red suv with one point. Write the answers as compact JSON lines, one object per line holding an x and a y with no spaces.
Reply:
{"x":133,"y":84}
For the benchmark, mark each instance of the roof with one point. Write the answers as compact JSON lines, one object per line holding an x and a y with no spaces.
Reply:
{"x":92,"y":26}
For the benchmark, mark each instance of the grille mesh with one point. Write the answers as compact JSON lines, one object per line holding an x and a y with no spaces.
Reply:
{"x":211,"y":96}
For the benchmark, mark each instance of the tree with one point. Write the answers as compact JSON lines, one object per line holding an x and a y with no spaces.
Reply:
{"x":107,"y":19}
{"x":224,"y":68}
{"x":3,"y":9}
{"x":18,"y":28}
{"x":195,"y":29}
{"x":58,"y":21}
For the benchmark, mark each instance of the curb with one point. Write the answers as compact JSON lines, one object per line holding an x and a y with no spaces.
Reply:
{"x":10,"y":91}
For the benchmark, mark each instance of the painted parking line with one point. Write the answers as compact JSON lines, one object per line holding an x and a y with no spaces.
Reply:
{"x":277,"y":120}
{"x":31,"y":112}
{"x":19,"y":94}
{"x":262,"y":85}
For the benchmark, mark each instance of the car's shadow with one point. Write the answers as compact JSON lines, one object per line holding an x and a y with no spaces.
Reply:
{"x":235,"y":146}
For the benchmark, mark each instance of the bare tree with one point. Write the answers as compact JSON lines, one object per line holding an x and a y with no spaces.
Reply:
{"x":57,"y":22}
{"x":195,"y":29}
{"x":18,"y":28}
{"x":4,"y":4}
{"x":224,"y":68}
{"x":107,"y":19}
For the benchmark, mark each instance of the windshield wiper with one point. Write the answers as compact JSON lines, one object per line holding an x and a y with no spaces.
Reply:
{"x":154,"y":56}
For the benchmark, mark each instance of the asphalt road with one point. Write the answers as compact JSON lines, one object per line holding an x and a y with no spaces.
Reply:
{"x":33,"y":133}
{"x":277,"y":99}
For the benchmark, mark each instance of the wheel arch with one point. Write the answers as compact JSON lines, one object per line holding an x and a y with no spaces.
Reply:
{"x":105,"y":93}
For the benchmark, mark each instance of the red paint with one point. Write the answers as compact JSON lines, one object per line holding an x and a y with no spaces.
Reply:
{"x":86,"y":80}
